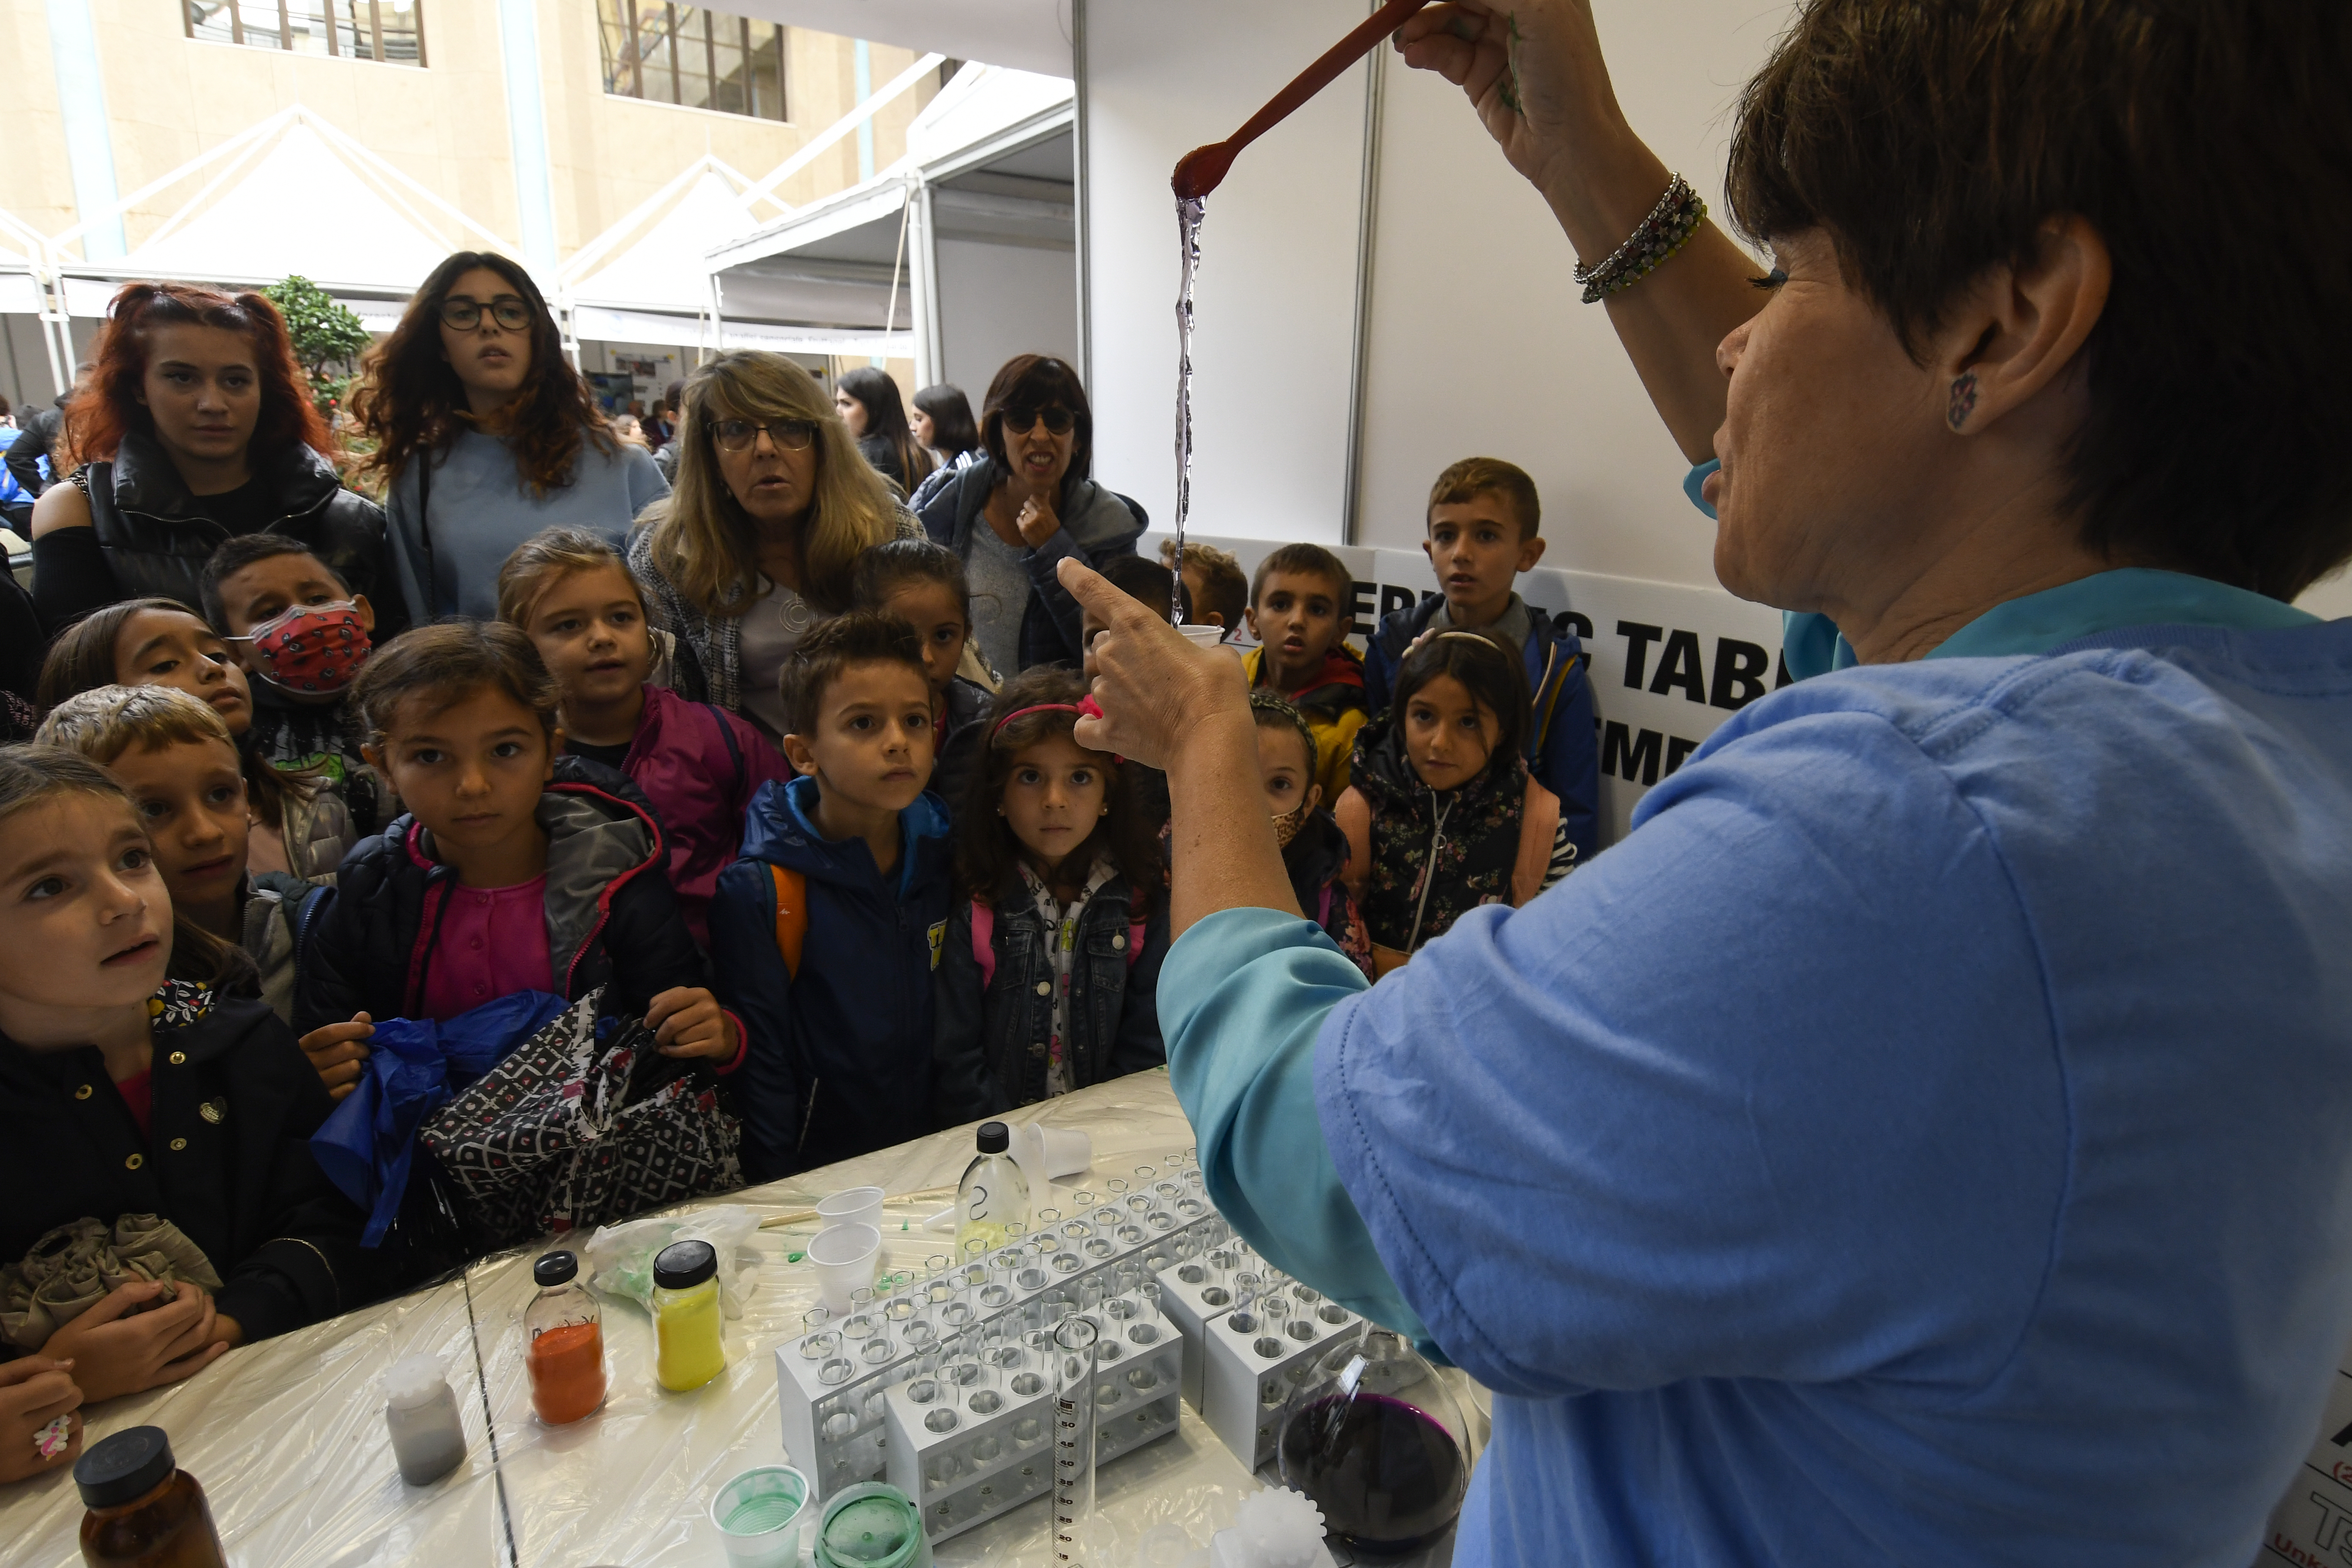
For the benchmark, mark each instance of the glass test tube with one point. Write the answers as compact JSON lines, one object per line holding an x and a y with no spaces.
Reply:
{"x":1073,"y":1438}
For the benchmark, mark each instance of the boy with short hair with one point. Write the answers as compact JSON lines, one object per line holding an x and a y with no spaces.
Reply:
{"x":1214,"y":582}
{"x":1148,"y":583}
{"x":1296,"y":611}
{"x":825,"y":934}
{"x":296,"y":628}
{"x":1482,"y":521}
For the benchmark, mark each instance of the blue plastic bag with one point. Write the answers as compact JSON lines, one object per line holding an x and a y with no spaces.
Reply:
{"x":414,"y":1066}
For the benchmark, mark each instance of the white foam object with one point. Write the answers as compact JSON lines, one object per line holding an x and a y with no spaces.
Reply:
{"x":845,"y":1256}
{"x":1278,"y":1528}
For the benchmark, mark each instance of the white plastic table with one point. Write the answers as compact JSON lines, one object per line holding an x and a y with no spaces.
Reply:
{"x":287,"y":1436}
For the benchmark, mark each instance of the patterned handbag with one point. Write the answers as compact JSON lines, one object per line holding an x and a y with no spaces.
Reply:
{"x":583,"y":1124}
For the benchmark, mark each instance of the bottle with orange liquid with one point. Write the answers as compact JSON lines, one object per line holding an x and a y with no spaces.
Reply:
{"x":566,"y":1337}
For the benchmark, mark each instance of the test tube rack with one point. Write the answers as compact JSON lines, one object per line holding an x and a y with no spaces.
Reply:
{"x":1250,"y":1366}
{"x":967,"y":1454}
{"x":1192,"y":1299}
{"x":836,"y":1408}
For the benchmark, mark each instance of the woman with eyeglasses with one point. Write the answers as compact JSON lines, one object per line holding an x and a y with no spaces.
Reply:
{"x":1030,"y":504}
{"x":485,"y":434}
{"x":773,"y":503}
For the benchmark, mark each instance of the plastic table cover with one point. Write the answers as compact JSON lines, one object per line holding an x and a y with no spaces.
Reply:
{"x":287,"y":1436}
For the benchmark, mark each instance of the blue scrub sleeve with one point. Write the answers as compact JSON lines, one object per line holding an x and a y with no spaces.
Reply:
{"x":1243,"y":997}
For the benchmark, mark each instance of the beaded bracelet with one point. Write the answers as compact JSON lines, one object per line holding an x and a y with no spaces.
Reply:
{"x":1668,"y":228}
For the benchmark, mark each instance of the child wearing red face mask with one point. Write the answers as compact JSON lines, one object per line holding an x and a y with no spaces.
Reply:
{"x":300,"y":635}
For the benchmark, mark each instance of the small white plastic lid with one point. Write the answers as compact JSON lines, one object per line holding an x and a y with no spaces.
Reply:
{"x":412,"y":1380}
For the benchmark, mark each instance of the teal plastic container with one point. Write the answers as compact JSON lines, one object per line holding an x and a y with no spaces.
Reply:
{"x":871,"y":1526}
{"x":759,"y":1517}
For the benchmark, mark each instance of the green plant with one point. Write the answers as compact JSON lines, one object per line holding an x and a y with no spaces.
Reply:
{"x":325,"y":332}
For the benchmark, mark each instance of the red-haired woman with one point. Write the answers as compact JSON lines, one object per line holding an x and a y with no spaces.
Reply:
{"x":192,"y":424}
{"x":485,"y":434}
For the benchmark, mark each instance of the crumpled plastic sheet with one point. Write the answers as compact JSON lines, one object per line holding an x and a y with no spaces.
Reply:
{"x":287,"y":1437}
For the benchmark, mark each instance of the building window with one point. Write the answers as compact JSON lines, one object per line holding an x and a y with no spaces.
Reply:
{"x":390,"y":31}
{"x":691,"y":56}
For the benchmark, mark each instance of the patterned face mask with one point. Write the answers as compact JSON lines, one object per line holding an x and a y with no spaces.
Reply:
{"x":312,"y":648}
{"x":1286,"y":826}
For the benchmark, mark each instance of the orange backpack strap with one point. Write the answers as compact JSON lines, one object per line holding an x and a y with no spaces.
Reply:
{"x":1355,"y":815}
{"x":1539,"y":825}
{"x":792,"y":915}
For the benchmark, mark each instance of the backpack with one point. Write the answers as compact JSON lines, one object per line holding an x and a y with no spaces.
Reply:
{"x":984,"y":941}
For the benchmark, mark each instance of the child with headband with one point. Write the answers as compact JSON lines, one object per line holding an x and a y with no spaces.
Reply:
{"x":1049,"y":978}
{"x":1443,"y":815}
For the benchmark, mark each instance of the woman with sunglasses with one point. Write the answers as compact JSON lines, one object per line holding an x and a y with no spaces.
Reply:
{"x":1017,"y":515}
{"x":773,"y":503}
{"x":485,"y":434}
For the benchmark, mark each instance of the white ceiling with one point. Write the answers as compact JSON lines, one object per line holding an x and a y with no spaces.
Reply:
{"x":1027,"y":35}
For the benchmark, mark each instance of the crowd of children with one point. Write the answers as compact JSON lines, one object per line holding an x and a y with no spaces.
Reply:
{"x":246,"y":834}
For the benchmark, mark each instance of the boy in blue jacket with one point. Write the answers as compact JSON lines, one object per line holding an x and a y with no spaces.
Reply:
{"x":1482,"y":521}
{"x":825,"y":933}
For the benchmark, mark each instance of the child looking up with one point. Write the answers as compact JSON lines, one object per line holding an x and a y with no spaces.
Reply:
{"x":1482,"y":521}
{"x":1314,"y":850}
{"x":515,"y":869}
{"x":924,"y":586}
{"x":1297,"y":615}
{"x":1049,"y":974}
{"x":175,"y":758}
{"x":300,"y":635}
{"x":825,"y":933}
{"x":571,"y":592}
{"x":161,"y":642}
{"x":114,"y":1082}
{"x":1444,"y":815}
{"x":1149,"y":584}
{"x":1214,"y":583}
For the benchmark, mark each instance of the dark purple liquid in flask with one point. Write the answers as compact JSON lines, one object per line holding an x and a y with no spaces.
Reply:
{"x":1387,"y":1478}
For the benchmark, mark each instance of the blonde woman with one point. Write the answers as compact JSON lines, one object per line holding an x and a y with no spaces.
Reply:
{"x":754,"y":545}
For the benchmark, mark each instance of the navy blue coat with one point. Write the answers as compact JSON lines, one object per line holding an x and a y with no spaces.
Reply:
{"x":840,"y":1054}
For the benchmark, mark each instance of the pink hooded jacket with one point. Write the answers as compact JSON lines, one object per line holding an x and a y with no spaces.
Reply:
{"x":700,"y":766}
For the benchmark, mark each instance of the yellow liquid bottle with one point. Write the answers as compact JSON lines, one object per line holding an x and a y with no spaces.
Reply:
{"x":687,"y":1351}
{"x":993,"y":1194}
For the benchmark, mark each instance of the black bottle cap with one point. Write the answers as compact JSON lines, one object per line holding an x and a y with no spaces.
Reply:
{"x":995,"y":1138}
{"x":554,"y":1269}
{"x":685,"y":1263}
{"x":124,"y":1468}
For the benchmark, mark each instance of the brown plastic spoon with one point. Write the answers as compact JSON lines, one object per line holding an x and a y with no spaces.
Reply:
{"x":1203,"y":169}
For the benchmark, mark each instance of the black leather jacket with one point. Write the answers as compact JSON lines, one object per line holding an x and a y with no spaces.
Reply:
{"x":156,"y":537}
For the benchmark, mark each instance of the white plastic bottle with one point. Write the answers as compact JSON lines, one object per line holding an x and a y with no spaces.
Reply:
{"x":993,"y":1194}
{"x":422,"y":1411}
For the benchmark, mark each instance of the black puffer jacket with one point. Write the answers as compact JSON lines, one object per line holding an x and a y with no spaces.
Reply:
{"x":154,"y":536}
{"x":227,"y":1159}
{"x":611,"y":917}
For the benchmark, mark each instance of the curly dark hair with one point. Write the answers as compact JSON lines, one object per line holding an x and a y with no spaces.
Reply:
{"x":985,"y":849}
{"x":409,"y":401}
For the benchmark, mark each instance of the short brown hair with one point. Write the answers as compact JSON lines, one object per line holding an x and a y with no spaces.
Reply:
{"x":108,"y":721}
{"x":861,"y":637}
{"x":1303,"y":561}
{"x":1475,"y":477}
{"x":1224,"y":589}
{"x":551,"y":554}
{"x":445,"y":663}
{"x":2206,"y":141}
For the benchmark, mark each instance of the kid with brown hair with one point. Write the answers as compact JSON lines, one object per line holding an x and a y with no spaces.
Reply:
{"x":1298,"y":613}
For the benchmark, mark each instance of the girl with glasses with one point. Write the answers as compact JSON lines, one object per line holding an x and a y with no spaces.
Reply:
{"x":485,"y":434}
{"x":1030,"y":504}
{"x":773,"y":503}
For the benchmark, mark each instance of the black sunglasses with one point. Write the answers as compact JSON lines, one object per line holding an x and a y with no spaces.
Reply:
{"x":1058,"y":419}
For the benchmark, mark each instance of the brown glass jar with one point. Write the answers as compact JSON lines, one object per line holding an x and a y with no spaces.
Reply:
{"x":144,"y":1511}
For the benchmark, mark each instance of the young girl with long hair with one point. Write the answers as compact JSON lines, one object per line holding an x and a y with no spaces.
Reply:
{"x":1440,"y":814}
{"x":869,"y":403}
{"x":485,"y":434}
{"x":773,"y":504}
{"x":698,"y":764}
{"x":923,"y":584}
{"x":1047,"y":975}
{"x":161,"y":642}
{"x":192,"y":424}
{"x":127,"y":1092}
{"x":515,"y":869}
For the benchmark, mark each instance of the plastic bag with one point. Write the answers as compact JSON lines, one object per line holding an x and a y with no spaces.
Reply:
{"x":622,"y":1255}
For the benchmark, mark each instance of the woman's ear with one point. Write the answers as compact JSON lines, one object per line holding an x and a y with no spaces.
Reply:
{"x":2021,"y":329}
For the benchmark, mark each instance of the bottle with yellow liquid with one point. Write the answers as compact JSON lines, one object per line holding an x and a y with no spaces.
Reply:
{"x":993,"y":1194}
{"x":687,"y":1353}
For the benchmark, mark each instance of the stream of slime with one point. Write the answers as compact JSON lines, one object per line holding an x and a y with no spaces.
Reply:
{"x":1188,"y":229}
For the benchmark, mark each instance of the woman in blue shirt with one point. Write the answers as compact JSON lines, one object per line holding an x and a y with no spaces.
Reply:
{"x":485,"y":434}
{"x":1925,"y":1137}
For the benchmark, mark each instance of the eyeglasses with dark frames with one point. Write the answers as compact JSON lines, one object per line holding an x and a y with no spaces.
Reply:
{"x":511,"y":312}
{"x":788,"y":435}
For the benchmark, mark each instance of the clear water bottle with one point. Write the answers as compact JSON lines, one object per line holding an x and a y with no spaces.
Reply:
{"x":993,"y":1194}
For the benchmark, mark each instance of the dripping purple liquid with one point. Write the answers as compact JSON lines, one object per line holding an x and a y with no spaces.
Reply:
{"x":1187,"y":230}
{"x":1388,"y":1479}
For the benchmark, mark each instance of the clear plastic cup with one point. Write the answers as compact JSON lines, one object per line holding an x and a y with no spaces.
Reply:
{"x":845,"y":1257}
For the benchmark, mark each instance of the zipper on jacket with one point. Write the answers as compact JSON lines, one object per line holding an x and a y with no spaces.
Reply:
{"x":1429,"y":868}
